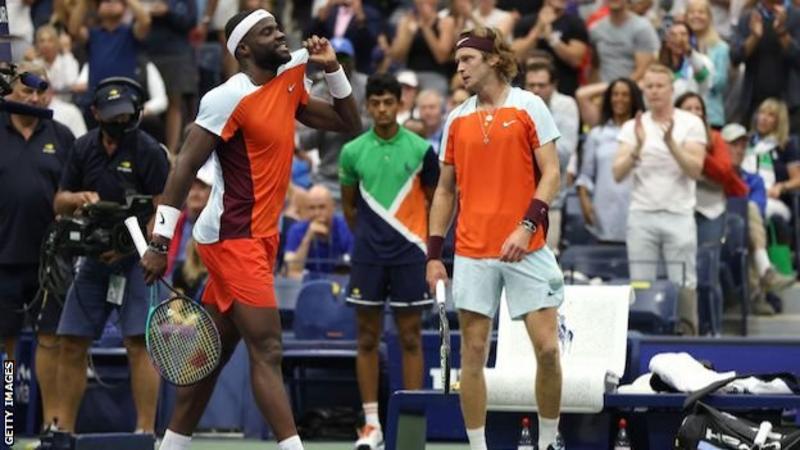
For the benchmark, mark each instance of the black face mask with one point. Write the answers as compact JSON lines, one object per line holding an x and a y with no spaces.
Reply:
{"x":114,"y":130}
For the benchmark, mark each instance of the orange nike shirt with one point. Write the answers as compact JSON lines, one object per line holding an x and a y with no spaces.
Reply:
{"x":496,"y":179}
{"x":253,"y":164}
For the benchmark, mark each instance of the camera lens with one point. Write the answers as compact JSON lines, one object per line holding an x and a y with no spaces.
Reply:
{"x":123,"y":243}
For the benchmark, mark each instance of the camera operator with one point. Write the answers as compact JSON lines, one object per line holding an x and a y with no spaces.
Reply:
{"x":109,"y":163}
{"x":34,"y":151}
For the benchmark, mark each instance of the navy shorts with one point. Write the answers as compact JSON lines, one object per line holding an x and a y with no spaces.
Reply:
{"x":403,"y":285}
{"x":86,"y":309}
{"x":19,"y":285}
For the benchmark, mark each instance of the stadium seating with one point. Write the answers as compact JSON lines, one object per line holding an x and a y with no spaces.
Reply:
{"x":286,"y":292}
{"x":320,"y":355}
{"x":655,"y":308}
{"x":595,"y":261}
{"x":734,"y":257}
{"x":573,"y":227}
{"x":321,"y":313}
{"x":709,"y":294}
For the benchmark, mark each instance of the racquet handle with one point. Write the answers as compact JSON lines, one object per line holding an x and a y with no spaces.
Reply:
{"x":441,"y":296}
{"x":136,"y":234}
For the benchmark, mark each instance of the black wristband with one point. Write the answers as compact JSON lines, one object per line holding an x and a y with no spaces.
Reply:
{"x":537,"y":213}
{"x":155,"y":247}
{"x":435,"y":247}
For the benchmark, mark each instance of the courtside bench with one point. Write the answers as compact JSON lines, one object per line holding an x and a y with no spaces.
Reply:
{"x":414,"y":416}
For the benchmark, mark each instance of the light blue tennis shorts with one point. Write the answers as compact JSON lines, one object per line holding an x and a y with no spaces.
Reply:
{"x":534,"y":283}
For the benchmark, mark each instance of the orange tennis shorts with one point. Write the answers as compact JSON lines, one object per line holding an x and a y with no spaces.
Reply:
{"x":240,"y":270}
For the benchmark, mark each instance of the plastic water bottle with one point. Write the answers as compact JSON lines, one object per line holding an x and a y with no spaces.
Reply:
{"x":525,"y":439}
{"x":622,"y":442}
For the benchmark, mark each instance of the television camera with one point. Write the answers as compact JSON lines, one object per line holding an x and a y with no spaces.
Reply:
{"x":100,"y":227}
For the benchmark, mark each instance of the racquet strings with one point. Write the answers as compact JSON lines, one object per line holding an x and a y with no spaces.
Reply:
{"x":182,"y":340}
{"x":444,"y":349}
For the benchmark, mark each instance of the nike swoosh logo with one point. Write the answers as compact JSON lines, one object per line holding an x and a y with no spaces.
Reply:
{"x":508,"y":124}
{"x":291,"y":87}
{"x":163,"y":220}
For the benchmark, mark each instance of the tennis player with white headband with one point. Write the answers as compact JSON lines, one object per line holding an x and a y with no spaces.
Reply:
{"x":247,"y":125}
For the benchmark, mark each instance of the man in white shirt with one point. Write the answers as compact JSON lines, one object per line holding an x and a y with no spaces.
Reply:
{"x":664,"y":150}
{"x":541,"y":78}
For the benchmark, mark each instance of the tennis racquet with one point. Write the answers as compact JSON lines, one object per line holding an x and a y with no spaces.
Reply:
{"x":444,"y":336}
{"x":181,"y":337}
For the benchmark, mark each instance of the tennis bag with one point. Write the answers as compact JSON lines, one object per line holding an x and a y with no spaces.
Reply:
{"x":707,"y":428}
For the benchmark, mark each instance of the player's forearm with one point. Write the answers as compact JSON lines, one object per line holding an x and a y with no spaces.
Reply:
{"x":441,"y":212}
{"x":347,"y":110}
{"x":179,"y":181}
{"x":344,"y":105}
{"x":549,"y":185}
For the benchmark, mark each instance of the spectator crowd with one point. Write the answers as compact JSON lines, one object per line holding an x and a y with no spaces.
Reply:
{"x":668,"y":113}
{"x":665,"y":109}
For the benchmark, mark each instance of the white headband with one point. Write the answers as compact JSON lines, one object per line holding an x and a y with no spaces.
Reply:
{"x":244,"y":26}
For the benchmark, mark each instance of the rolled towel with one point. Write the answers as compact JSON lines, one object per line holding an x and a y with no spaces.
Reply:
{"x":683,"y":372}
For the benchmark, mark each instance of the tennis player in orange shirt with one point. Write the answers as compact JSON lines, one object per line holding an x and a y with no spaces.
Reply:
{"x":247,"y":126}
{"x":498,"y":150}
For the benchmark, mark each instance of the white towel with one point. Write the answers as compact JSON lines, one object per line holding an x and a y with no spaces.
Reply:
{"x":753,"y":385}
{"x":683,"y":372}
{"x":639,"y":386}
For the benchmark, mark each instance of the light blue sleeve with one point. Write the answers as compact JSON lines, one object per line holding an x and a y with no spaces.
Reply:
{"x":545,"y":129}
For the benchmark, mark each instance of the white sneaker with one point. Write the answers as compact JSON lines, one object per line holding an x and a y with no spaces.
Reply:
{"x":370,"y":437}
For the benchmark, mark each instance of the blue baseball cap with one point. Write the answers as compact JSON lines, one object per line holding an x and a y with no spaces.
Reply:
{"x":343,"y":46}
{"x":113,"y":100}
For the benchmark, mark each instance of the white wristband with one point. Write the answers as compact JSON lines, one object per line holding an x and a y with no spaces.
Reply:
{"x":166,"y":219}
{"x":338,"y":84}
